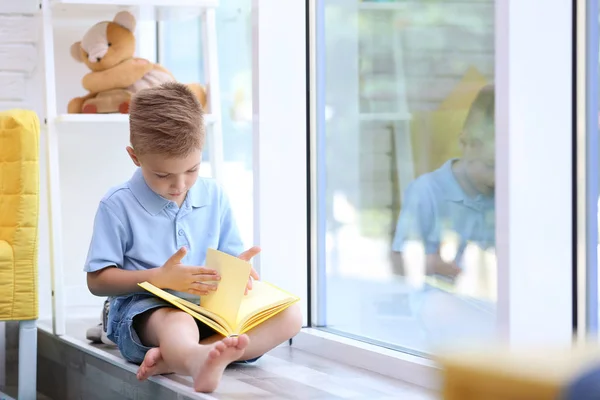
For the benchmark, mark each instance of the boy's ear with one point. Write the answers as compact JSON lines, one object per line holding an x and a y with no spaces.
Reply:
{"x":132,"y":155}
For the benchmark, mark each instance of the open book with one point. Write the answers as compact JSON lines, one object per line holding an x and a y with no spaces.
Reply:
{"x":228,"y":310}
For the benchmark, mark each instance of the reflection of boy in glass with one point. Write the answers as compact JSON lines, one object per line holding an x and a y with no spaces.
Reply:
{"x":457,"y":198}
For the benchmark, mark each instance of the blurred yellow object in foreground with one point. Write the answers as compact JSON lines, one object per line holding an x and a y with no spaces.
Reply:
{"x":502,"y":374}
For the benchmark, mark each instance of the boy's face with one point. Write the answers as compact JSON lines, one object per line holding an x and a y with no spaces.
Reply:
{"x":169,"y":177}
{"x":480,"y":165}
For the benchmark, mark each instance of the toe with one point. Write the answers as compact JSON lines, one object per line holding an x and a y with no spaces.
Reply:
{"x":243,"y":341}
{"x":220,"y":346}
{"x":214,"y":353}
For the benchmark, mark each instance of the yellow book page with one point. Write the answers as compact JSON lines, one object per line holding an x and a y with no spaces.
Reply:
{"x":203,"y":311}
{"x":226,"y":300}
{"x":263,"y":316}
{"x":206,"y":320}
{"x":263,"y":296}
{"x":176,"y":301}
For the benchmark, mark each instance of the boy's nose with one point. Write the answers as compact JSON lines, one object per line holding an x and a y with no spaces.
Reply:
{"x":179,"y":183}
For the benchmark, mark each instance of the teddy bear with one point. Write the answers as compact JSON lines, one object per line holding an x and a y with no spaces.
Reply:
{"x":107,"y":49}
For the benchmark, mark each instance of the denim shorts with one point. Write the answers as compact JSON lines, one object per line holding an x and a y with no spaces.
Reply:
{"x":121,"y":331}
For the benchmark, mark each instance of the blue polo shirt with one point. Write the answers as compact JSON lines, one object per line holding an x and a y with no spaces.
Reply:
{"x":435,"y":205}
{"x":136,"y":229}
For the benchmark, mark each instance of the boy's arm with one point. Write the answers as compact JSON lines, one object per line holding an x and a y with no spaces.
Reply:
{"x":113,"y":281}
{"x":106,"y":254}
{"x":417,"y":221}
{"x":105,"y":277}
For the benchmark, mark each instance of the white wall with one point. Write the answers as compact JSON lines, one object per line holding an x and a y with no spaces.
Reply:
{"x":280,"y":204}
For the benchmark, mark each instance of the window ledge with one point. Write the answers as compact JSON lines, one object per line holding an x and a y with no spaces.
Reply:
{"x":405,"y":367}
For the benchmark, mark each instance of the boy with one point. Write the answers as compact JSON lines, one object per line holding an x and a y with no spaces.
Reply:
{"x":157,"y":227}
{"x":456,"y":200}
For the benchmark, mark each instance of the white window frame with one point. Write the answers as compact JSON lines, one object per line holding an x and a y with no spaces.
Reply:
{"x":533,"y":160}
{"x":279,"y":144}
{"x":534,"y":121}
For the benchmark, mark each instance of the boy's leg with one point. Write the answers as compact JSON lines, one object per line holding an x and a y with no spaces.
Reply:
{"x":270,"y":333}
{"x":97,"y":333}
{"x":174,"y":334}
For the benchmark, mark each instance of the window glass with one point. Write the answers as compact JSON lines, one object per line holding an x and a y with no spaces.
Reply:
{"x":406,"y":171}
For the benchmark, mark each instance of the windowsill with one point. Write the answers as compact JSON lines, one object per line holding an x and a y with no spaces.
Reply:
{"x":308,"y":375}
{"x":402,"y":366}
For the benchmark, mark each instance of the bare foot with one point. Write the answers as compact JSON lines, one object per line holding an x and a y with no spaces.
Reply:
{"x":153,"y":364}
{"x":218,"y":356}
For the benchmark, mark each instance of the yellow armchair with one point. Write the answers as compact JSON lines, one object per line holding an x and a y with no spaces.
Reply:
{"x":19,"y":213}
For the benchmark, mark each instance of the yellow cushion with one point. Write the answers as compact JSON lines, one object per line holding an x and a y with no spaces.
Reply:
{"x":465,"y":91}
{"x":502,"y":374}
{"x":435,"y":134}
{"x":19,"y":212}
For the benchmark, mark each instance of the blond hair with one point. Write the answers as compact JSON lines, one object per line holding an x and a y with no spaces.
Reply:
{"x":480,"y":120}
{"x":166,"y":120}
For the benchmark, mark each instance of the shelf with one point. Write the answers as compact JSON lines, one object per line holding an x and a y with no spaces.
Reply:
{"x":63,"y":119}
{"x":137,"y":3}
{"x":98,"y":10}
{"x":383,"y":6}
{"x":385,"y":116}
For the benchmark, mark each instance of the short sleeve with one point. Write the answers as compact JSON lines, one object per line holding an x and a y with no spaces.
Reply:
{"x":107,"y":247}
{"x":417,"y":220}
{"x":230,"y":240}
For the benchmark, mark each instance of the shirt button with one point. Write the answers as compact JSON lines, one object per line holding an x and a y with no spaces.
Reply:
{"x":180,"y":232}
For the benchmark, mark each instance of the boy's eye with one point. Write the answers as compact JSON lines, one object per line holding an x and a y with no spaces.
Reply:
{"x":161,"y":176}
{"x":191,"y":171}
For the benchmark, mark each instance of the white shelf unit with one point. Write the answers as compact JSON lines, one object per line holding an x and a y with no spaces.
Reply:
{"x":393,"y":110}
{"x":61,"y":127}
{"x":381,"y":6}
{"x":137,"y":3}
{"x":64,"y":119}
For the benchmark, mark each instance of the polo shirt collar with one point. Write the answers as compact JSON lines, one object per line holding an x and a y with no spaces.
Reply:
{"x":198,"y":195}
{"x":452,"y":188}
{"x":152,"y":202}
{"x":454,"y":192}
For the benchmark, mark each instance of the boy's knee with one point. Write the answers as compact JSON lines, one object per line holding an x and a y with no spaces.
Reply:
{"x":292,"y":320}
{"x":174,"y":315}
{"x":167,"y":316}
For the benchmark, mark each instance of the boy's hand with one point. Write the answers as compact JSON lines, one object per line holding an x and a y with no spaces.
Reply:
{"x":246,"y":256}
{"x":185,"y":278}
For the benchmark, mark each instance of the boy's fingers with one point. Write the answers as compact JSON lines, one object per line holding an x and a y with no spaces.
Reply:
{"x":204,"y":271}
{"x":201,"y":278}
{"x":248,"y":254}
{"x":203,"y":287}
{"x":254,"y":274}
{"x":198,"y":292}
{"x":178,"y":256}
